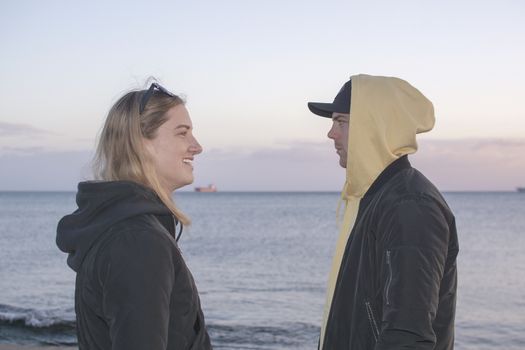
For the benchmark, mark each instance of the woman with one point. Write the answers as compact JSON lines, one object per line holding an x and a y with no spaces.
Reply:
{"x":133,"y":289}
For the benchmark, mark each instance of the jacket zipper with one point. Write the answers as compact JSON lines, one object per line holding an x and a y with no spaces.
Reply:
{"x":387,"y":287}
{"x":372,"y":320}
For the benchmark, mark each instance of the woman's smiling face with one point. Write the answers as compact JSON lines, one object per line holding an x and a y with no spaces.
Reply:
{"x":173,"y":149}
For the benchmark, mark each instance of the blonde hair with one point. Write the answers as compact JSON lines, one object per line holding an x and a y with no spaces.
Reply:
{"x":121,"y":154}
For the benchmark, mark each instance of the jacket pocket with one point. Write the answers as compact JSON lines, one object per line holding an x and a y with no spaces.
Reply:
{"x":372,"y":320}
{"x":389,"y":277}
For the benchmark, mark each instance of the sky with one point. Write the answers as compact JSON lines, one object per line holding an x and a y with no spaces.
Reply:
{"x":247,"y":70}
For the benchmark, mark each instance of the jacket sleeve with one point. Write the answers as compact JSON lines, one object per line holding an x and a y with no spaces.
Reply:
{"x":413,"y":247}
{"x":137,"y":278}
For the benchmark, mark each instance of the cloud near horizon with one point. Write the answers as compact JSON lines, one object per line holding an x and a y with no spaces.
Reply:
{"x":24,"y":139}
{"x":13,"y":130}
{"x":453,"y":165}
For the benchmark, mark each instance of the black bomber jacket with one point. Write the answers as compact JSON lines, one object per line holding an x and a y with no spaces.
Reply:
{"x":396,"y":287}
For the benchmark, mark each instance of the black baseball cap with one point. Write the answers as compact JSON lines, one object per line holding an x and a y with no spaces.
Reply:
{"x":341,"y":103}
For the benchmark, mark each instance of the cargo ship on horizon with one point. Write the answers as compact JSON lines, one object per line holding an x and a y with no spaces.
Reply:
{"x":209,"y":188}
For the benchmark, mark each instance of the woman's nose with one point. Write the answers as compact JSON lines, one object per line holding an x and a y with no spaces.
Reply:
{"x":196,"y":148}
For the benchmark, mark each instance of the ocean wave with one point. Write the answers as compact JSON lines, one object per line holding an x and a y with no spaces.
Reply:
{"x":295,"y":335}
{"x":47,"y":327}
{"x":52,"y":319}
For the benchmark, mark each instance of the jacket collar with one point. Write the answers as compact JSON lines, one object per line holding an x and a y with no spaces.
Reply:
{"x":389,"y":172}
{"x":168,"y":221}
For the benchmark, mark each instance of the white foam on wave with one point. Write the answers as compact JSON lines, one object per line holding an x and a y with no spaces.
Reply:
{"x":33,"y":318}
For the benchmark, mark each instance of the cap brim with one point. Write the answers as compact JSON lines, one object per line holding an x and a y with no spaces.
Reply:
{"x":321,"y":109}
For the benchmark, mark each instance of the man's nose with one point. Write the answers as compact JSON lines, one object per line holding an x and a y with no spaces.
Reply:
{"x":332,"y":133}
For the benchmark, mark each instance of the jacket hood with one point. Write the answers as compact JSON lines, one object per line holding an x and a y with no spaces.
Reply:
{"x":101,"y":205}
{"x":386,"y":113}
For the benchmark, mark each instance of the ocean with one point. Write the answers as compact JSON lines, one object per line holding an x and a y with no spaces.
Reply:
{"x":260,"y":261}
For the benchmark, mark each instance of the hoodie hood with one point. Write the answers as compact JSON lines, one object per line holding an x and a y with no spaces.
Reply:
{"x":386,"y":113}
{"x":101,"y":205}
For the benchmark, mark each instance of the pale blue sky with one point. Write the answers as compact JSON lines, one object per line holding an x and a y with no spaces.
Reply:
{"x":249,"y":67}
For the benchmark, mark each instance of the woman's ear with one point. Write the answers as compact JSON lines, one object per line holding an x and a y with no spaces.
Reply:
{"x":148,"y":146}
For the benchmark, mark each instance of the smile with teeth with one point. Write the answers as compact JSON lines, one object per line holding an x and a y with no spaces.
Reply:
{"x":188,"y":161}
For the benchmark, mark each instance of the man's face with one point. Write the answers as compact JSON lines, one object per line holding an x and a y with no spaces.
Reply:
{"x":339,"y":133}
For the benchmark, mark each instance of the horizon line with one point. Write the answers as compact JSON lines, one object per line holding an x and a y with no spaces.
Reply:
{"x":266,"y":191}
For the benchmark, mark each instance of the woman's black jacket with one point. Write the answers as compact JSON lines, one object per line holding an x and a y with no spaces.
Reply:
{"x":133,"y":288}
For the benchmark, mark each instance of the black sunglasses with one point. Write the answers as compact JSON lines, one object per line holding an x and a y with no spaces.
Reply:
{"x":151,"y":90}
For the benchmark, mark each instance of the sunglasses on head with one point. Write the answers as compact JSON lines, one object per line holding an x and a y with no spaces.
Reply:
{"x":149,"y":93}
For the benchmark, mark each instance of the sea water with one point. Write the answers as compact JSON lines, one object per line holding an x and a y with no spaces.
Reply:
{"x":260,"y":261}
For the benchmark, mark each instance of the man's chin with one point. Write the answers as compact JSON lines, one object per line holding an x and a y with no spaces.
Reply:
{"x":342,"y":163}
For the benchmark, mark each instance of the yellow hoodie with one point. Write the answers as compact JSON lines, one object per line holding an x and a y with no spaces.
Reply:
{"x":386,"y":113}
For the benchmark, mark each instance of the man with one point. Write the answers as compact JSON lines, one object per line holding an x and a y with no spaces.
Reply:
{"x":393,"y":280}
